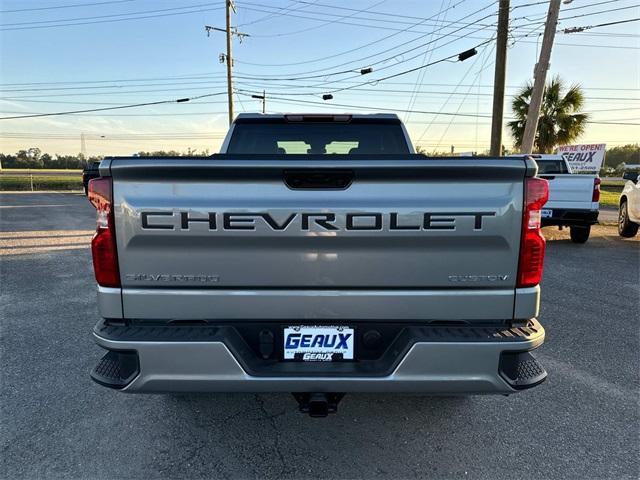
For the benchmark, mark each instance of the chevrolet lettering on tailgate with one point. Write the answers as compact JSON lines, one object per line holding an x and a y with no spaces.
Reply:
{"x":365,"y":221}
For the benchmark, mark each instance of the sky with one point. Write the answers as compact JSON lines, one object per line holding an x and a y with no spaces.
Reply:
{"x":66,"y":55}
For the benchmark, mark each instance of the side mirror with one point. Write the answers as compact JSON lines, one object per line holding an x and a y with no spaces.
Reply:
{"x":633,"y":176}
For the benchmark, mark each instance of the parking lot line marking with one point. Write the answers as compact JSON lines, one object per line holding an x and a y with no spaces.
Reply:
{"x":39,"y":206}
{"x":19,"y":243}
{"x":30,"y":250}
{"x":589,"y":380}
{"x":26,"y":234}
{"x":32,"y":237}
{"x":44,"y":242}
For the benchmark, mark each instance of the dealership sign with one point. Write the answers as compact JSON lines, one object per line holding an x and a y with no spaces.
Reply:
{"x":584,"y":158}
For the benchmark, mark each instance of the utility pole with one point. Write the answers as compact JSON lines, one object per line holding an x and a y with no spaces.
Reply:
{"x":228,"y":57}
{"x":499,"y":78}
{"x":262,"y":97}
{"x":83,"y":146}
{"x":540,"y":78}
{"x":229,"y":4}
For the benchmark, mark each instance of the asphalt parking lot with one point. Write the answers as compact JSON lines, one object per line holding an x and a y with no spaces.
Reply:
{"x":56,"y":423}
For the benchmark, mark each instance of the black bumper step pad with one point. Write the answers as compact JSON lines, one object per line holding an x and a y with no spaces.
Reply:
{"x":116,"y":369}
{"x":521,"y":370}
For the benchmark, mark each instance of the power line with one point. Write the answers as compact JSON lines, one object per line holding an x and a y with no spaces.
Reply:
{"x":32,"y":27}
{"x":342,"y":22}
{"x":449,"y":97}
{"x":609,"y":34}
{"x":348,"y":71}
{"x":345,"y":52}
{"x":364,"y":107}
{"x":395,"y":47}
{"x":614,"y":123}
{"x":64,"y":20}
{"x":610,"y":47}
{"x":135,"y":105}
{"x":460,"y":57}
{"x":420,"y":78}
{"x":112,"y":136}
{"x":363,"y":91}
{"x":483,"y":66}
{"x":258,"y":87}
{"x":143,"y":79}
{"x":38,"y":89}
{"x":246,"y":77}
{"x":179,"y":114}
{"x":375,"y":108}
{"x":589,"y":27}
{"x":385,"y":14}
{"x":385,"y":20}
{"x":596,"y":13}
{"x":590,"y":5}
{"x":132,"y":92}
{"x":267,"y":17}
{"x":106,"y":136}
{"x":65,"y":6}
{"x":206,"y":75}
{"x":529,"y":4}
{"x":315,"y":27}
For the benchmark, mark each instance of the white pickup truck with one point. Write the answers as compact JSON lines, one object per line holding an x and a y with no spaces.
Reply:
{"x":573,"y":198}
{"x":629,"y":206}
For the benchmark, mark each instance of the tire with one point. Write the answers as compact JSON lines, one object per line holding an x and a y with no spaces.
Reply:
{"x":86,"y":191}
{"x":626,"y":228}
{"x":580,"y":234}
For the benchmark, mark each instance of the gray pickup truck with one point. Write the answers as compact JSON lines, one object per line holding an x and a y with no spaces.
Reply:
{"x":318,"y":255}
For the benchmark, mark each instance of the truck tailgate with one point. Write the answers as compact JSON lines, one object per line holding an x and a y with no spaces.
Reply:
{"x":239,"y":238}
{"x":573,"y":191}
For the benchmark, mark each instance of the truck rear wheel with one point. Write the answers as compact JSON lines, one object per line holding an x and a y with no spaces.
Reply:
{"x":580,"y":234}
{"x":626,"y":228}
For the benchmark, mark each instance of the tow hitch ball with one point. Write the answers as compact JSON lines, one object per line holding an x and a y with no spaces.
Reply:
{"x":318,"y":404}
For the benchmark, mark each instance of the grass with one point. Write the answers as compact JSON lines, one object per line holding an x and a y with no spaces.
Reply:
{"x":45,"y":182}
{"x":609,"y":189}
{"x":610,"y":192}
{"x":9,"y":171}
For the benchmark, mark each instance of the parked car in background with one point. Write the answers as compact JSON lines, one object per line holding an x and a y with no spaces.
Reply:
{"x":573,"y":198}
{"x":89,"y":172}
{"x":629,"y":209}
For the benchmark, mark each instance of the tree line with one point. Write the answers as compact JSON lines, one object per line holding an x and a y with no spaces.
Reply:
{"x":615,"y":159}
{"x":34,"y":158}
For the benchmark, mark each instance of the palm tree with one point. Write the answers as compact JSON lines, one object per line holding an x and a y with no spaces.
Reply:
{"x":559,"y":124}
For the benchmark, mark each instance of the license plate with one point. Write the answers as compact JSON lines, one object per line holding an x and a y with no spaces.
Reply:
{"x":546,"y":213}
{"x":318,"y":343}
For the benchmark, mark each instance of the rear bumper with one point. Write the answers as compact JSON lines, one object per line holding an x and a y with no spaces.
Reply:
{"x":421,"y":359}
{"x":569,"y":217}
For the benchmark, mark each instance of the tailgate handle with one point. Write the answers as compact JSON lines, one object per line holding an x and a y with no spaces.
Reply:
{"x":318,"y":179}
{"x":548,"y":177}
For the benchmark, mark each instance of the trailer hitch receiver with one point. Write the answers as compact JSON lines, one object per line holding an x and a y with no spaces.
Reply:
{"x":318,"y":404}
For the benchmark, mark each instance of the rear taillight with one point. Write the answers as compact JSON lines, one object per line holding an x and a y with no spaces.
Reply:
{"x":103,"y":244}
{"x":532,"y":243}
{"x":596,"y":190}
